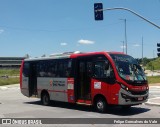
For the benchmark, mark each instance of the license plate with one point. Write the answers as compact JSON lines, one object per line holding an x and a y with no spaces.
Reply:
{"x":140,"y":98}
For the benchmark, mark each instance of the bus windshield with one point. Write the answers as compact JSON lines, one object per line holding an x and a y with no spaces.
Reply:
{"x":128,"y":68}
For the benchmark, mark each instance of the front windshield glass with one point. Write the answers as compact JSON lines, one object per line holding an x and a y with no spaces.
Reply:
{"x":128,"y":68}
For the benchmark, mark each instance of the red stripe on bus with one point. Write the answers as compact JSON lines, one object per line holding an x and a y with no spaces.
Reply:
{"x":62,"y":91}
{"x":58,"y":91}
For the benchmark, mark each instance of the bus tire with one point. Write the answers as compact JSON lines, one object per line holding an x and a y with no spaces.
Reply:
{"x":100,"y":105}
{"x":45,"y":99}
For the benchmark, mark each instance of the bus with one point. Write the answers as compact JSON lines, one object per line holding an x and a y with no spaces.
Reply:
{"x":98,"y":79}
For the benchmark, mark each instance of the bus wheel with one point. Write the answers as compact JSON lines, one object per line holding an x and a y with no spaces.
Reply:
{"x":45,"y":99}
{"x":100,"y":105}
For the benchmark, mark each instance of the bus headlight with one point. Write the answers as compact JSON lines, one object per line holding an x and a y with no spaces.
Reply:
{"x":124,"y":87}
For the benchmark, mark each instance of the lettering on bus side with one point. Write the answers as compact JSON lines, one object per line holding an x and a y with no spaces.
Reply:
{"x":57,"y":83}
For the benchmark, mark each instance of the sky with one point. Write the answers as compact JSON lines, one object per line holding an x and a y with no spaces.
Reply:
{"x":38,"y":27}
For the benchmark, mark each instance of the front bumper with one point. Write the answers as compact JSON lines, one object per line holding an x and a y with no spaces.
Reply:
{"x":127,"y":98}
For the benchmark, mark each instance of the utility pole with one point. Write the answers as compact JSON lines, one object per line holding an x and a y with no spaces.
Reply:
{"x":153,"y":54}
{"x":125,"y":34}
{"x":123,"y":46}
{"x":142,"y":50}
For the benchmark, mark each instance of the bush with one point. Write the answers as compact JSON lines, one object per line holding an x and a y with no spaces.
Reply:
{"x":153,"y":65}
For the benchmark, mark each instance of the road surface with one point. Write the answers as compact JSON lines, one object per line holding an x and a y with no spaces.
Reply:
{"x":14,"y":105}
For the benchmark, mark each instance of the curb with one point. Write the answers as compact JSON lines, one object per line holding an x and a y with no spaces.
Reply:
{"x":8,"y":86}
{"x":152,"y":104}
{"x":149,"y":102}
{"x":154,"y":86}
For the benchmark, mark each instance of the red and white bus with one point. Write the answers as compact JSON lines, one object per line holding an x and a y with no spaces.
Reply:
{"x":97,"y":78}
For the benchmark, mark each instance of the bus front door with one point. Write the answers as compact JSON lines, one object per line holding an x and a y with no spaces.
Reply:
{"x":83,"y":81}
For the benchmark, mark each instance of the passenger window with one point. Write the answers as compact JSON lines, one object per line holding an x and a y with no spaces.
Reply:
{"x":102,"y":69}
{"x":26,"y":69}
{"x":54,"y":68}
{"x":99,"y":69}
{"x":64,"y":68}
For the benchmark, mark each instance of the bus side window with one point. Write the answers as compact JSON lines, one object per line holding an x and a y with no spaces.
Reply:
{"x":60,"y":69}
{"x":54,"y":68}
{"x":69,"y":68}
{"x":26,"y":69}
{"x":64,"y":68}
{"x":102,"y":69}
{"x":41,"y":69}
{"x":99,"y":69}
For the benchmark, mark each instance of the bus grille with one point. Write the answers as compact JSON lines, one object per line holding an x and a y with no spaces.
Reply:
{"x":139,"y":92}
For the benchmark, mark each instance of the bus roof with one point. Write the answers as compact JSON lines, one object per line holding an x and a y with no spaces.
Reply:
{"x":70,"y":55}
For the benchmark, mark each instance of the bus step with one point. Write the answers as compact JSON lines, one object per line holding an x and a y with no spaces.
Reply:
{"x":34,"y":96}
{"x":84,"y":102}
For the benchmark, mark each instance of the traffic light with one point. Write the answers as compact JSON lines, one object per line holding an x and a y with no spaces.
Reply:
{"x":98,"y":11}
{"x":158,"y":49}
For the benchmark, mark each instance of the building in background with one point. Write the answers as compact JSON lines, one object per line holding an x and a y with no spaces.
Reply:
{"x":11,"y":62}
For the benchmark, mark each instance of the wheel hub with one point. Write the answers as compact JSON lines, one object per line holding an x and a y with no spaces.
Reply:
{"x":100,"y":105}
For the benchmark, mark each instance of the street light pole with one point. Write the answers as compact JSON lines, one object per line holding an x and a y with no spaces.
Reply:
{"x":126,"y":9}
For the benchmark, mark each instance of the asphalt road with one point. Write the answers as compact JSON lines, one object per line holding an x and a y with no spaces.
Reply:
{"x":14,"y":105}
{"x":154,"y":91}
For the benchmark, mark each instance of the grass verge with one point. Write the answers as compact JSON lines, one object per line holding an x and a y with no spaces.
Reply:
{"x":9,"y":72}
{"x":8,"y":81}
{"x":153,"y":79}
